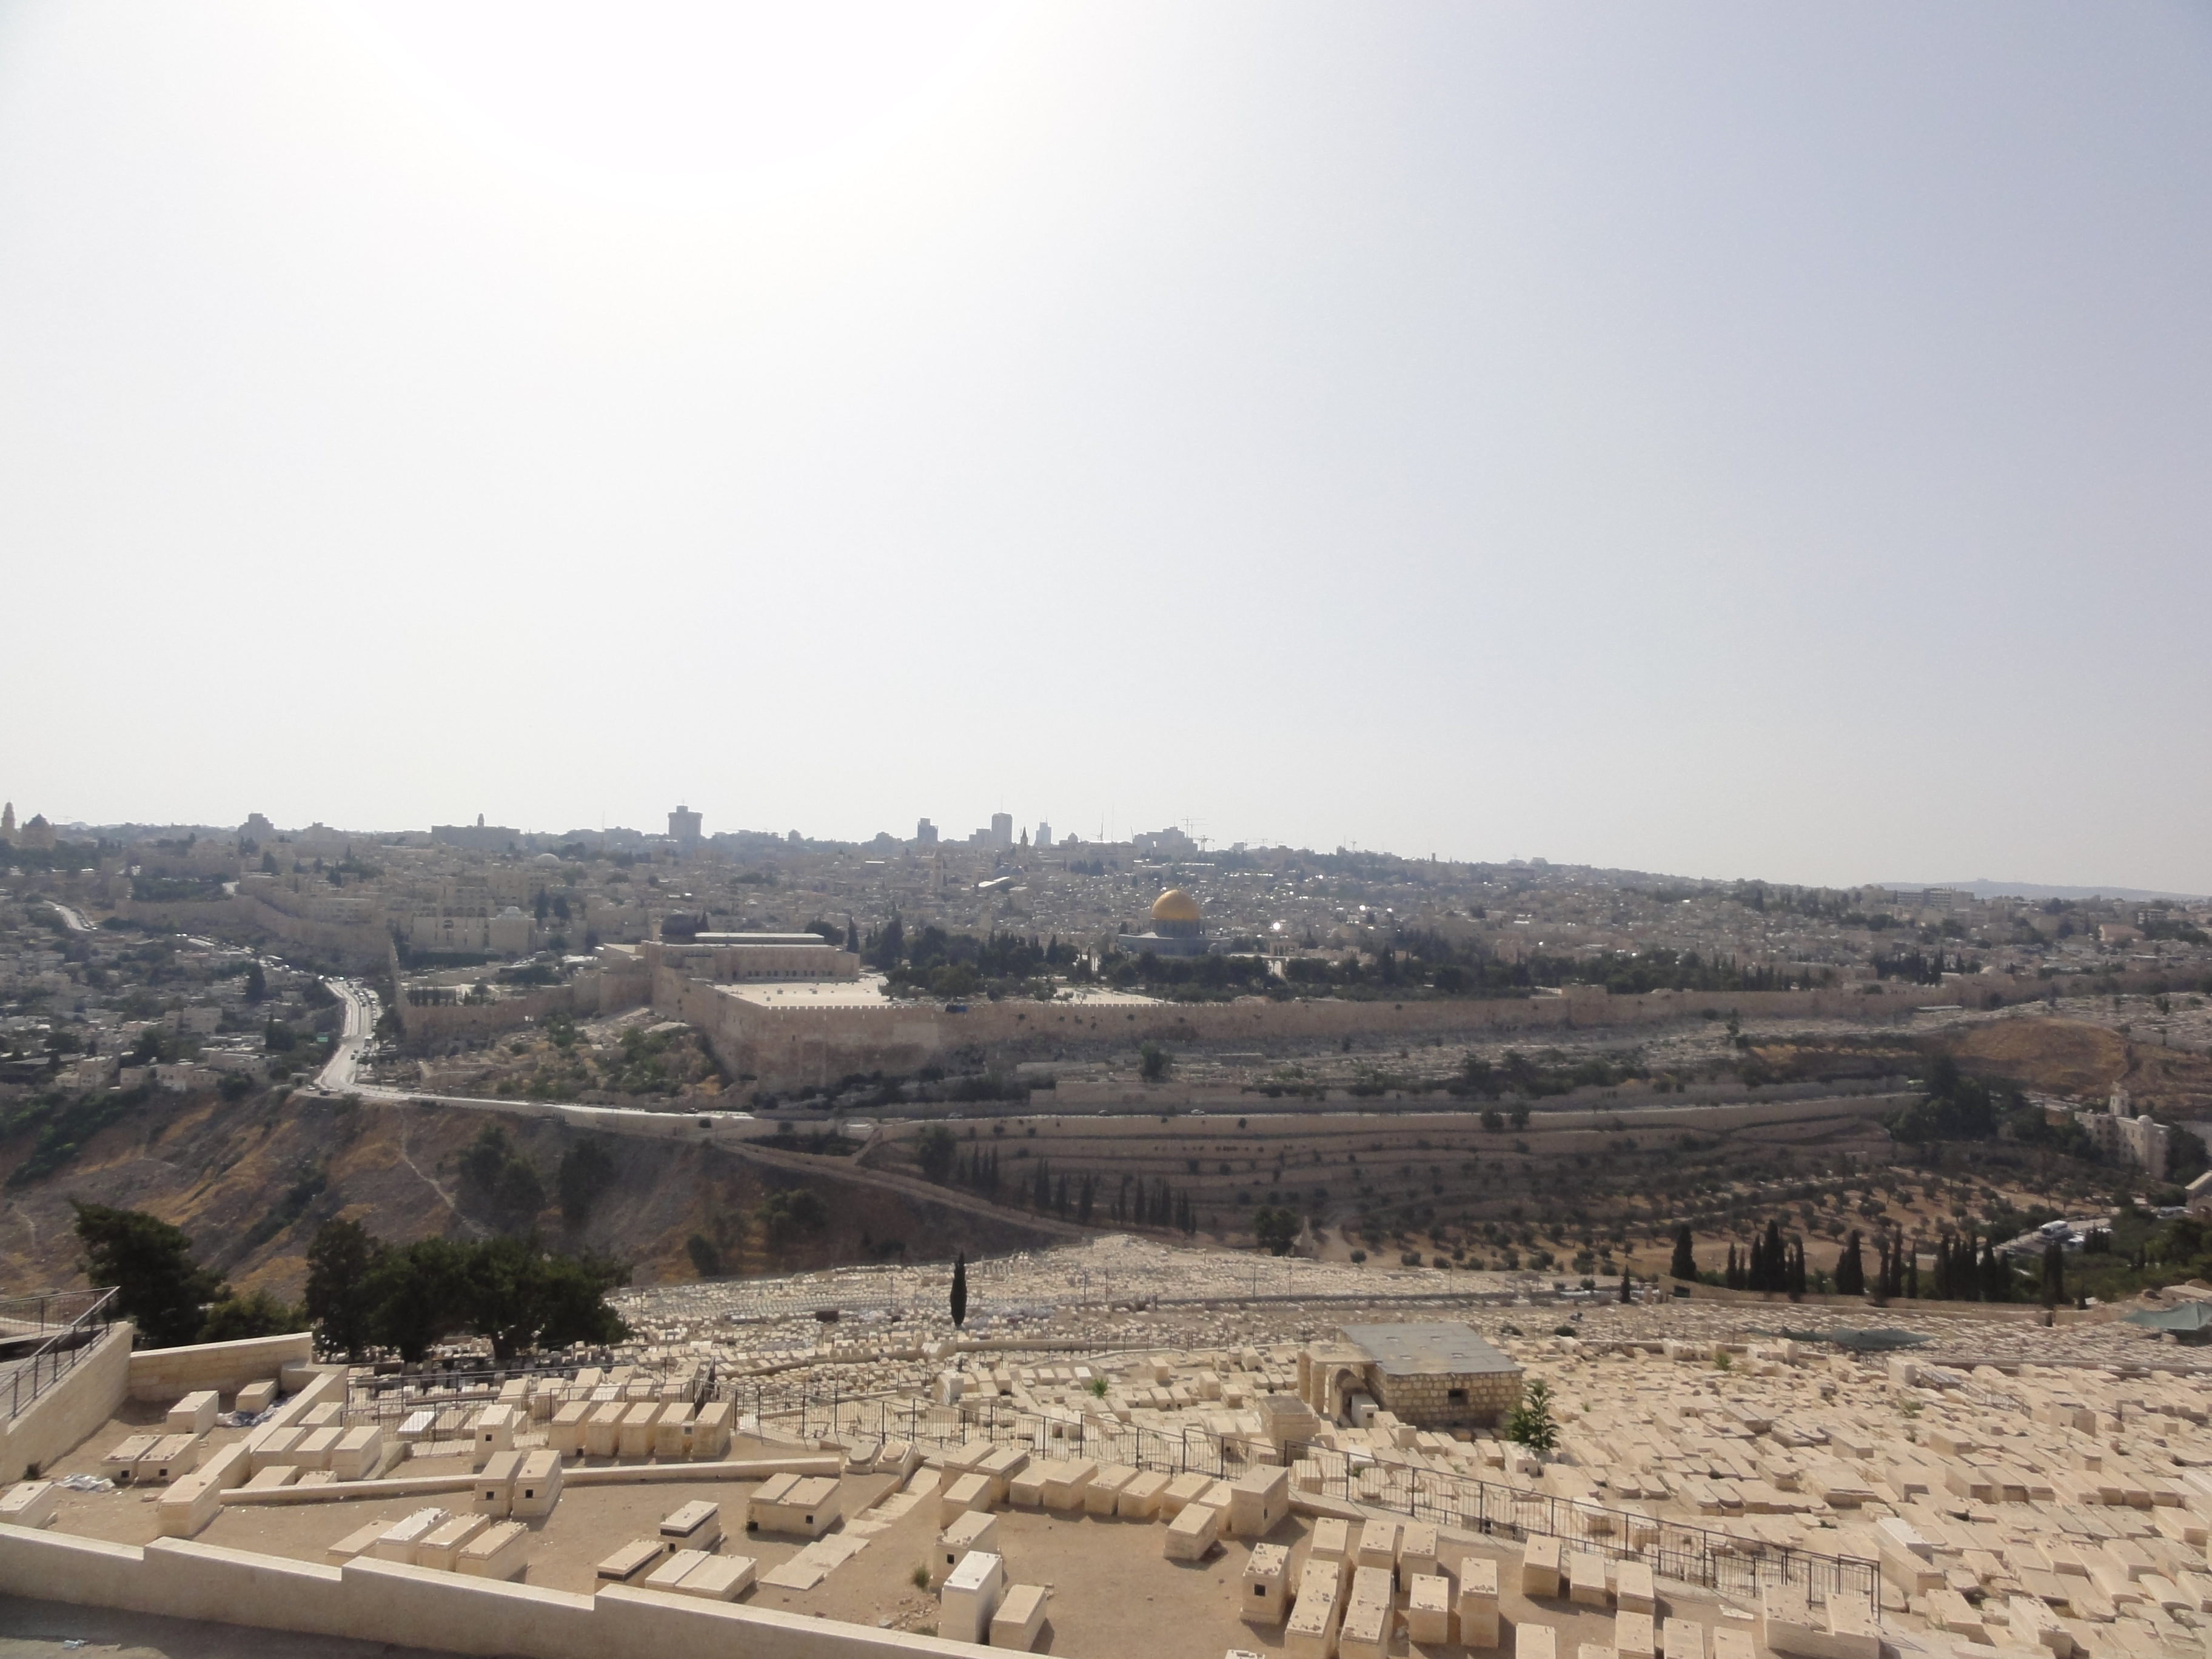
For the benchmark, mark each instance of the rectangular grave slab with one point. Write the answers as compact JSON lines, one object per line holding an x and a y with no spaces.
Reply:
{"x":718,"y":1578}
{"x":1540,"y":1566}
{"x":1140,"y":1500}
{"x":1478,"y":1602}
{"x":1310,"y":1631}
{"x":631,"y":1560}
{"x":565,"y":1435}
{"x":195,"y":1414}
{"x":971,"y":1491}
{"x":356,"y":1542}
{"x":1632,"y":1590}
{"x":400,"y":1539}
{"x":603,"y":1429}
{"x":1264,"y":1596}
{"x":1193,"y":1534}
{"x":697,"y":1526}
{"x":1182,"y":1490}
{"x":973,"y":1532}
{"x":121,"y":1464}
{"x":493,"y":1494}
{"x":1065,"y":1487}
{"x":358,"y":1454}
{"x":1019,"y":1618}
{"x":30,"y":1503}
{"x":1104,"y":1495}
{"x":441,"y":1548}
{"x":670,"y":1573}
{"x":970,"y":1596}
{"x":499,"y":1552}
{"x":672,"y":1433}
{"x":1259,"y":1502}
{"x":1429,"y":1607}
{"x":634,"y":1439}
{"x":1365,"y":1632}
{"x":536,"y":1486}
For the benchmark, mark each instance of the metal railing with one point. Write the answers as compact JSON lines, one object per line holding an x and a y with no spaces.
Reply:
{"x":1727,"y":1562}
{"x":44,"y":1335}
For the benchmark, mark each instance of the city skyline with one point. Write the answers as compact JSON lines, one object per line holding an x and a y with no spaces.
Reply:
{"x":951,"y":837}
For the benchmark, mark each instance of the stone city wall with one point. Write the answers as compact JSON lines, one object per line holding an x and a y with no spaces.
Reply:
{"x":785,"y":1047}
{"x":244,"y":917}
{"x":433,"y":1024}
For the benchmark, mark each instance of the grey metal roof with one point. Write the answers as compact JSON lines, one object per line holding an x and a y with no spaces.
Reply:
{"x":1418,"y":1349}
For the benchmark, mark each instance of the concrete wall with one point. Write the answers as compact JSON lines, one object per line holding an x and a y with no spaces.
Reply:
{"x":70,"y":1409}
{"x":386,"y":1602}
{"x":163,"y":1374}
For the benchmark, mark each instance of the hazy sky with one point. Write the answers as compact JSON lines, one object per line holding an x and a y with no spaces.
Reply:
{"x":1722,"y":440}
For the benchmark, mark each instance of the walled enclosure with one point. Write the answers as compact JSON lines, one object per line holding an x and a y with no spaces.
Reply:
{"x":377,"y":1601}
{"x":160,"y":1374}
{"x":795,"y":1047}
{"x":69,"y":1409}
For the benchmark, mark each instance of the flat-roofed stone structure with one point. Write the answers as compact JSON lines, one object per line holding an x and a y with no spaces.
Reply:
{"x":1432,"y":1376}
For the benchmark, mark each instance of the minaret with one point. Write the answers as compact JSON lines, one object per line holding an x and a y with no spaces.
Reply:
{"x":8,"y":821}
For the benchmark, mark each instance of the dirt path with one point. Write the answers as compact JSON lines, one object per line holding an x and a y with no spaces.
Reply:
{"x":444,"y":1197}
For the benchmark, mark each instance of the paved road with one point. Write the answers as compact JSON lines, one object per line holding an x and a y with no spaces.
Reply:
{"x":736,"y":1130}
{"x":359,"y":1003}
{"x":72,"y":918}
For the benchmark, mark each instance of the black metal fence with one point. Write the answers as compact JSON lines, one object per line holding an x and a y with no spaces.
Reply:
{"x":42,"y":1338}
{"x":1726,"y":1562}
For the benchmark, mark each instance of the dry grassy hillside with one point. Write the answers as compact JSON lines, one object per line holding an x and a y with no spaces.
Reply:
{"x":1578,"y":1178}
{"x":251,"y":1181}
{"x":2068,"y":1057}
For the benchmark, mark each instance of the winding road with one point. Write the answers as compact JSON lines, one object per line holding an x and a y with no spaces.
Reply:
{"x":738,"y":1131}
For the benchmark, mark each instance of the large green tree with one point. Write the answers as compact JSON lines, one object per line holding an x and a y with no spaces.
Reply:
{"x":160,"y":1288}
{"x":338,"y":1289}
{"x":510,"y":1290}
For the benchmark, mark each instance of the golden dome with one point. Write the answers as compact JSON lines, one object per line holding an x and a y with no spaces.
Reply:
{"x":1174,"y":905}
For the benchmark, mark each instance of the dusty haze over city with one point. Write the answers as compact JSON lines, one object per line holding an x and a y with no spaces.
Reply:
{"x":1712,"y":439}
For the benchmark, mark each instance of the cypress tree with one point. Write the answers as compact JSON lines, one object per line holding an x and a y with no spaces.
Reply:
{"x":1996,"y":1276}
{"x":2054,"y":1273}
{"x":1851,"y":1268}
{"x":960,"y":1290}
{"x":1685,"y":1265}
